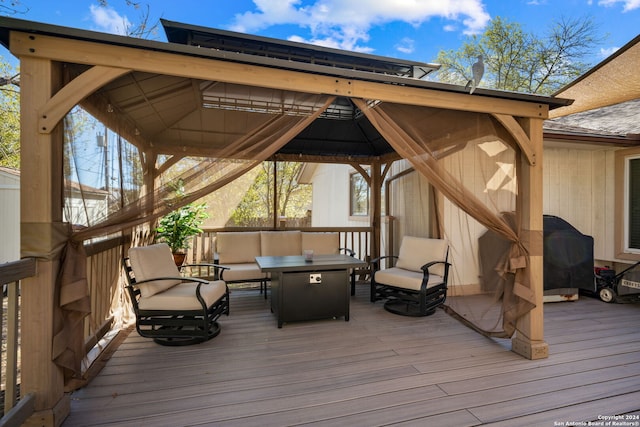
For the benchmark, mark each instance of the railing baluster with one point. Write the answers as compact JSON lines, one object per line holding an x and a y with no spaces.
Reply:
{"x":11,"y":386}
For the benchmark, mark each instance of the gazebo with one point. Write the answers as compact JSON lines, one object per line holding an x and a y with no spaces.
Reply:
{"x":240,"y":100}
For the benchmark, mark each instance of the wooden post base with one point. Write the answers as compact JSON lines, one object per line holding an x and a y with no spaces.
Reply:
{"x":532,"y":350}
{"x":51,"y":417}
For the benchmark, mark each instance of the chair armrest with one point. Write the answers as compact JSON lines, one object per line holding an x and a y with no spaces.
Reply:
{"x":349,"y":252}
{"x":183,"y":279}
{"x":376,"y":261}
{"x":200,"y":282}
{"x":425,"y":268}
{"x":207,"y":265}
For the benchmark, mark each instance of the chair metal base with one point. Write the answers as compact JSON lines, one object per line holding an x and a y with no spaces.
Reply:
{"x":406,"y":308}
{"x":214,"y":330}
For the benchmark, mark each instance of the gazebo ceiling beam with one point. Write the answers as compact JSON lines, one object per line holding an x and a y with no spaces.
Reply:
{"x":70,"y":95}
{"x":86,"y":52}
{"x":518,"y":133}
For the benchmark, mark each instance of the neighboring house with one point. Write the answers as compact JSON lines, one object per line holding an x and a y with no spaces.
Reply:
{"x":9,"y":215}
{"x":95,"y":203}
{"x":85,"y":211}
{"x":582,"y":185}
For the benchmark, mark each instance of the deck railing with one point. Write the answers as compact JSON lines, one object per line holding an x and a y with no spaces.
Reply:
{"x":104,"y":269}
{"x":104,"y":263}
{"x":103,"y":274}
{"x":16,"y":408}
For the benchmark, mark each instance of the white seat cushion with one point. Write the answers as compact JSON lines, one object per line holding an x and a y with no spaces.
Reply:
{"x":148,"y":262}
{"x":183,"y":297}
{"x":405,"y":279}
{"x":245,"y":271}
{"x":417,"y":251}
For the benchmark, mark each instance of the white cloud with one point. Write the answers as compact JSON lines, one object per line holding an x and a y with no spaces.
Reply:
{"x":345,"y":23}
{"x":108,"y":20}
{"x":606,"y":52}
{"x":406,"y":45}
{"x":628,"y":5}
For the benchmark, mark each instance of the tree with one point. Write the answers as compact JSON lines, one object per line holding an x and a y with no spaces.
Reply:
{"x":257,"y":207}
{"x":520,"y":61}
{"x":9,"y":117}
{"x":144,"y":28}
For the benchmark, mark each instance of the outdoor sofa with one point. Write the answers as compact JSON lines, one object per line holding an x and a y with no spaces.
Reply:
{"x":238,"y":251}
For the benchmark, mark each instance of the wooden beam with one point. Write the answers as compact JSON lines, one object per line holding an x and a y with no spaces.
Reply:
{"x":529,"y":339}
{"x":363,"y":172}
{"x":79,"y":88}
{"x":375,"y":203}
{"x":40,"y":209}
{"x":110,"y":117}
{"x":94,"y":53}
{"x":514,"y":128}
{"x":168,"y":163}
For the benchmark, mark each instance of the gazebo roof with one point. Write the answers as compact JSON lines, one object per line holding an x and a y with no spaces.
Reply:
{"x":302,"y":53}
{"x":178,"y":114}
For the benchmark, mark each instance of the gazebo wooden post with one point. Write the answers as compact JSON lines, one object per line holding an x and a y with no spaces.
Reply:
{"x":40,"y":209}
{"x":151,"y":176}
{"x":376,"y":207}
{"x":529,"y":339}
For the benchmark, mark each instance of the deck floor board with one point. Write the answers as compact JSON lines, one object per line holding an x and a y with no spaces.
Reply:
{"x":377,"y":369}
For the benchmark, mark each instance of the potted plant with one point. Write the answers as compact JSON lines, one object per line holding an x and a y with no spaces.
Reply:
{"x":177,"y":227}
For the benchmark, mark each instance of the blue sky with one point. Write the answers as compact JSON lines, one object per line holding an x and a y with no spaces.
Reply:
{"x":410,"y":29}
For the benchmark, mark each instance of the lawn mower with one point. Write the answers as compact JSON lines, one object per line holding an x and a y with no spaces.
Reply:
{"x":612,"y":287}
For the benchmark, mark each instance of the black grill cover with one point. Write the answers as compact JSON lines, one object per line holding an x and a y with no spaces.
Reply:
{"x":568,"y":256}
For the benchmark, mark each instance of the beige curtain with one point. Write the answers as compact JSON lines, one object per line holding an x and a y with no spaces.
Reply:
{"x":199,"y":179}
{"x":423,"y":135}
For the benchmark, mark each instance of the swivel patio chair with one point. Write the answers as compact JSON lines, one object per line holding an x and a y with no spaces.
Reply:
{"x":170,"y":308}
{"x":417,"y":284}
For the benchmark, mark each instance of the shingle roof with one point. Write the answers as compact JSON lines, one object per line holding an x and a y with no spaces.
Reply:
{"x":619,"y":120}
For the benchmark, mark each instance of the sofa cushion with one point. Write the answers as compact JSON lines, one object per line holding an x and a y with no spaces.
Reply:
{"x":238,"y":247}
{"x":148,"y":262}
{"x":280,"y":243}
{"x":183,"y":297}
{"x":417,"y":251}
{"x":321,"y":243}
{"x":243,"y":271}
{"x":405,"y":279}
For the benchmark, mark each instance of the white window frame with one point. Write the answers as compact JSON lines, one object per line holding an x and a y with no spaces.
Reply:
{"x":627,"y":219}
{"x":353,"y":214}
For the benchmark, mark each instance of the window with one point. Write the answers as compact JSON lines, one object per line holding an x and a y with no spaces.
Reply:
{"x":632,"y":205}
{"x":358,"y":195}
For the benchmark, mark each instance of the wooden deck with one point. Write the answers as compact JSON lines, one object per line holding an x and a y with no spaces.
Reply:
{"x":376,"y":369}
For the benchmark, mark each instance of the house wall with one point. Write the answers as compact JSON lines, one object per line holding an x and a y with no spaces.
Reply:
{"x":9,"y":217}
{"x":579,"y":183}
{"x":77,"y":210}
{"x":331,"y":197}
{"x":578,"y":186}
